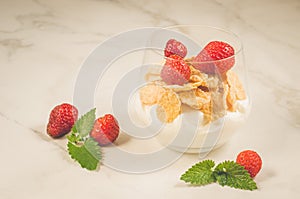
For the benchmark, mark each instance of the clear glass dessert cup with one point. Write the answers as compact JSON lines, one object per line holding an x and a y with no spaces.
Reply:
{"x":203,"y":113}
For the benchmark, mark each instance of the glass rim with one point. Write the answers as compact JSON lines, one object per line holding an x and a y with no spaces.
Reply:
{"x":236,"y":52}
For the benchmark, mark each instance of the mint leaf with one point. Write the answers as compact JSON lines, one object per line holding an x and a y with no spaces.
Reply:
{"x":231,"y":174}
{"x":82,"y":148}
{"x":72,"y":137}
{"x":200,"y":174}
{"x":88,"y":154}
{"x":85,"y":124}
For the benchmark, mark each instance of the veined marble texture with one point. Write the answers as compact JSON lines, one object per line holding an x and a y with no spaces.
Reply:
{"x":43,"y":44}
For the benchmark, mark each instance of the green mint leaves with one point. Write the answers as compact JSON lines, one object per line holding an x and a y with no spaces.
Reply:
{"x":88,"y":155}
{"x":82,"y":148}
{"x":200,"y":174}
{"x":85,"y":123}
{"x":227,"y":173}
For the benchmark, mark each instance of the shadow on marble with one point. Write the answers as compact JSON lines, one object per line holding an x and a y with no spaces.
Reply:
{"x":265,"y":175}
{"x":122,"y":139}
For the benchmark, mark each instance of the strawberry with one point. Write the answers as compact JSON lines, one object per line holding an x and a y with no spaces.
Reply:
{"x":175,"y":47}
{"x":251,"y":161}
{"x":105,"y":130}
{"x":216,"y":57}
{"x":61,"y":120}
{"x":175,"y":70}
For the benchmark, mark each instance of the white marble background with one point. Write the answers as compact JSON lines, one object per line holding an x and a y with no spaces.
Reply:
{"x":43,"y":43}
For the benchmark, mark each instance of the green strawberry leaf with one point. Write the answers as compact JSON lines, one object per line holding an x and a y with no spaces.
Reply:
{"x":88,"y":154}
{"x":85,"y":123}
{"x":200,"y":174}
{"x":231,"y":174}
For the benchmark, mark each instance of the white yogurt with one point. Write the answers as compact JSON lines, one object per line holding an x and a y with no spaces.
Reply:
{"x":193,"y":137}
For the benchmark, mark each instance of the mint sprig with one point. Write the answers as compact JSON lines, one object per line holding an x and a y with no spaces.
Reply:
{"x":83,"y":148}
{"x":227,"y":173}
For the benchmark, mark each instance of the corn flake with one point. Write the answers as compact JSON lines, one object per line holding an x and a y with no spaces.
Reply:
{"x":235,"y":91}
{"x":236,"y":85}
{"x":195,"y":98}
{"x":151,"y":93}
{"x":169,"y":106}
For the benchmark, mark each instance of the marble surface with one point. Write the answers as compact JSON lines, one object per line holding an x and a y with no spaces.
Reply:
{"x":42,"y":45}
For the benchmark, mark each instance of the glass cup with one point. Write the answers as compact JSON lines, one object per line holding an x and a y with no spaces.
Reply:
{"x":203,"y":113}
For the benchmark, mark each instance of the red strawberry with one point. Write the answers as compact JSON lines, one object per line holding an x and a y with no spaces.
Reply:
{"x":174,"y":47}
{"x":207,"y":60}
{"x":106,"y":130}
{"x":62,"y":119}
{"x":175,"y":71}
{"x":251,"y":161}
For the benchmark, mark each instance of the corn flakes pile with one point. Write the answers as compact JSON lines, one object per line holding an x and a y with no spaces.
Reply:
{"x":213,"y":95}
